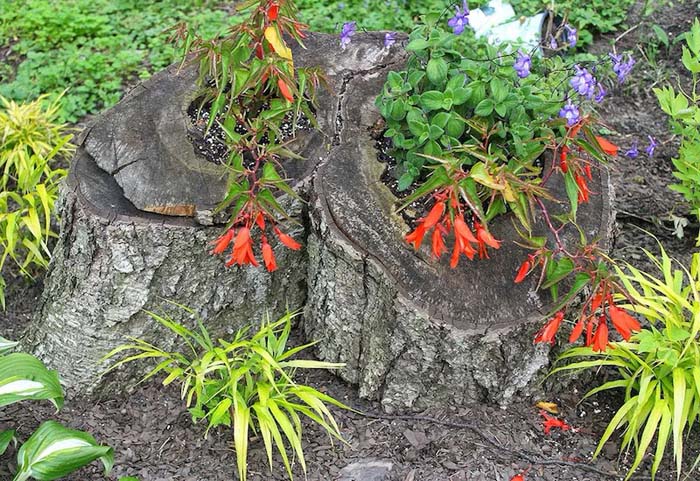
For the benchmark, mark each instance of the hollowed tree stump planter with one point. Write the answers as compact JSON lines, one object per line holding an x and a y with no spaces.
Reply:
{"x":136,"y":215}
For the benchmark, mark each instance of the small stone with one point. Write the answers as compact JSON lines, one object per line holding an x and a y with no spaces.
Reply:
{"x":370,"y":469}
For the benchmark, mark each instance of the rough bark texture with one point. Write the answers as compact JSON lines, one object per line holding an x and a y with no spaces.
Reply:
{"x":412,"y":331}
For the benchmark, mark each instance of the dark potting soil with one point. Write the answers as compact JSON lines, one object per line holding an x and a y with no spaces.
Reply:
{"x":211,"y":144}
{"x":153,"y":437}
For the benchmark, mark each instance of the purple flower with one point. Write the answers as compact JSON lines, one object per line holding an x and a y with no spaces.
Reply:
{"x":571,"y":35}
{"x":553,"y":42}
{"x":633,"y":152}
{"x":622,"y":69}
{"x":346,"y":32}
{"x":583,"y":82}
{"x":601,"y":93}
{"x":522,"y":64}
{"x":652,"y":145}
{"x":571,"y":113}
{"x":460,"y":20}
{"x":389,"y":39}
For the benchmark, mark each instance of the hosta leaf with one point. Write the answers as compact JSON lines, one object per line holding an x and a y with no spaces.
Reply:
{"x":54,"y":451}
{"x":6,"y":438}
{"x":6,"y":345}
{"x":23,"y":376}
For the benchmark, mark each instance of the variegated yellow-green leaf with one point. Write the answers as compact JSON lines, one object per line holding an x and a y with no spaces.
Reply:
{"x":54,"y":451}
{"x":23,"y":376}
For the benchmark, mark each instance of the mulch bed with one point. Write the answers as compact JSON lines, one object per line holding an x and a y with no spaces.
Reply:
{"x":153,"y":436}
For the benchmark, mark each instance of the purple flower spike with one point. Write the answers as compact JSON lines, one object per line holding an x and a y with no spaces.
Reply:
{"x":652,"y":146}
{"x":460,"y":19}
{"x":571,"y":35}
{"x":522,"y":64}
{"x":622,"y":69}
{"x":389,"y":39}
{"x":633,"y":152}
{"x":571,"y":113}
{"x":583,"y":82}
{"x":346,"y":33}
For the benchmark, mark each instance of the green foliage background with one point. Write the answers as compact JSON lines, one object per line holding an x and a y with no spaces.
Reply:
{"x":98,"y":48}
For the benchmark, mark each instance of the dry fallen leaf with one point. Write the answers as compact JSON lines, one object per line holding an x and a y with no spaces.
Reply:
{"x":551,"y":408}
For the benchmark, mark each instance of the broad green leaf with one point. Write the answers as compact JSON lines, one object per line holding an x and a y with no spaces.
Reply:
{"x":54,"y":451}
{"x":6,"y":437}
{"x":23,"y":376}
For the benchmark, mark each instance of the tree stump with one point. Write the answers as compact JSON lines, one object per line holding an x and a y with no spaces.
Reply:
{"x":136,"y":225}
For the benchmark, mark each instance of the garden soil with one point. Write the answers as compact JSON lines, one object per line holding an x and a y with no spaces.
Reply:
{"x":154,"y":439}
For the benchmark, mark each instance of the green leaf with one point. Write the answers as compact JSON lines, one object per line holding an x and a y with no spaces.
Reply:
{"x":561,"y":268}
{"x":6,"y":437}
{"x":437,"y":71}
{"x":417,"y":45}
{"x":54,"y":451}
{"x":23,"y":376}
{"x":431,"y":100}
{"x":485,"y":108}
{"x":571,"y":192}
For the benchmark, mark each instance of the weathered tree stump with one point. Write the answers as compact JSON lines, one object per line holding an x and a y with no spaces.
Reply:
{"x":412,"y":331}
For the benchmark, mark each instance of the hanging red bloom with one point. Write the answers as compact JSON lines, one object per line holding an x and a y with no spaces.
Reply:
{"x":222,"y":242}
{"x":284,"y":90}
{"x":438,"y":244}
{"x":273,"y":11}
{"x":416,"y":237}
{"x":550,"y":422}
{"x":607,"y":146}
{"x":576,"y":331}
{"x":434,"y":215}
{"x":462,"y":231}
{"x":583,"y":192}
{"x":623,"y":322}
{"x":523,"y":271}
{"x":549,"y":331}
{"x":600,"y":338}
{"x":287,"y":240}
{"x":562,"y":159}
{"x":268,"y":256}
{"x":484,"y":239}
{"x":242,"y":249}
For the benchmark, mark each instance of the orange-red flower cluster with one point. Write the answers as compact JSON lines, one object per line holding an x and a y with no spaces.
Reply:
{"x":595,"y":321}
{"x":440,"y":220}
{"x":242,"y":252}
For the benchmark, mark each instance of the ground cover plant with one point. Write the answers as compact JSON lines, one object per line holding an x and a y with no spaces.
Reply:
{"x":658,"y":367}
{"x":52,"y":451}
{"x":246,"y":384}
{"x":32,"y":142}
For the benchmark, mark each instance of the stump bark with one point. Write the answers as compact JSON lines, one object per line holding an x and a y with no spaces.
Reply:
{"x":413,"y":332}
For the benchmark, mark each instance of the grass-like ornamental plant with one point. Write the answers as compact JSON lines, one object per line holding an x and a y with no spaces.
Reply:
{"x":31,"y":140}
{"x":659,"y":367}
{"x":683,"y":108}
{"x":52,"y":451}
{"x":246,"y":383}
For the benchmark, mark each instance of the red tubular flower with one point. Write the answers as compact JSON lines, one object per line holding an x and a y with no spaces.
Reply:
{"x":268,"y":256}
{"x":438,"y":244}
{"x":273,"y":11}
{"x":260,"y":220}
{"x":551,"y":422}
{"x":577,"y":330}
{"x":607,"y":146}
{"x":583,"y":192}
{"x":287,"y":240}
{"x":523,"y":271}
{"x":222,"y":242}
{"x":416,"y":237}
{"x":485,"y":239}
{"x":562,"y":159}
{"x":589,"y":331}
{"x":462,"y":231}
{"x":623,"y":322}
{"x":242,"y":249}
{"x":600,"y":339}
{"x":284,"y":90}
{"x":434,"y":215}
{"x":587,"y":170}
{"x":549,"y":331}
